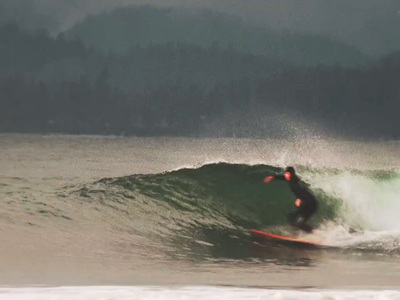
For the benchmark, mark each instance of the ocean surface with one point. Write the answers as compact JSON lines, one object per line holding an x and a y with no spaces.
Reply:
{"x":89,"y":217}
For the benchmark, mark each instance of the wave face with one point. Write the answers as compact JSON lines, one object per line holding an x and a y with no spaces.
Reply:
{"x":220,"y":201}
{"x":63,"y":223}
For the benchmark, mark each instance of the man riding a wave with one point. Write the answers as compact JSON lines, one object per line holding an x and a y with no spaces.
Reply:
{"x":306,"y":205}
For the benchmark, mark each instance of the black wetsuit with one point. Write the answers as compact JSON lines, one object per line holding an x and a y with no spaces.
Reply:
{"x":307,"y":207}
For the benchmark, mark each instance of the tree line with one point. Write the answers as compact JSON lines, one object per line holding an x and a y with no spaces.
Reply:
{"x":52,"y":84}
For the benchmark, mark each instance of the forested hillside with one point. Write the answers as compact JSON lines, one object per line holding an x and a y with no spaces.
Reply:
{"x":123,"y":28}
{"x":170,"y":86}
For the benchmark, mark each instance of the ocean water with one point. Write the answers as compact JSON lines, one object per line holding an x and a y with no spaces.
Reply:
{"x":89,"y":217}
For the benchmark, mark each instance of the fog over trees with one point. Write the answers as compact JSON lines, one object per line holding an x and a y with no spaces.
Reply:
{"x":369,"y":25}
{"x":147,"y":71}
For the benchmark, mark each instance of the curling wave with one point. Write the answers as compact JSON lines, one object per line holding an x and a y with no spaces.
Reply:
{"x":231,"y":198}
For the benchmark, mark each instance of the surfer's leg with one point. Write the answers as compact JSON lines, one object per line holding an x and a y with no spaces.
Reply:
{"x":306,"y":212}
{"x":305,"y":227}
{"x":293,"y":217}
{"x":298,"y":221}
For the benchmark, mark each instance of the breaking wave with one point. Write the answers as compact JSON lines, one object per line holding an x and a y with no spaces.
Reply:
{"x":217,"y":203}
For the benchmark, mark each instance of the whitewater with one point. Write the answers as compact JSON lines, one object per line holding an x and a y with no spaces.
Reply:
{"x":92,"y":217}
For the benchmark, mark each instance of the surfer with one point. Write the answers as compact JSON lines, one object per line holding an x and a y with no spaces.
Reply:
{"x":306,"y":205}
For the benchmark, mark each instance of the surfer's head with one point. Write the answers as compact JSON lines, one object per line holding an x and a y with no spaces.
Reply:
{"x":289,"y":172}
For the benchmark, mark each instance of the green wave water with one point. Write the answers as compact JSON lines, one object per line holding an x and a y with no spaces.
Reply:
{"x":221,"y":201}
{"x":232,"y":192}
{"x":151,"y":221}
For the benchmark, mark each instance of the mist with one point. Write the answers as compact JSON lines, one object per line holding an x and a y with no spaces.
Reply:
{"x":190,"y":68}
{"x":370,"y":25}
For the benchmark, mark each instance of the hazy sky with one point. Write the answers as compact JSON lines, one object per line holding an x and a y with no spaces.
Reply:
{"x":371,"y":25}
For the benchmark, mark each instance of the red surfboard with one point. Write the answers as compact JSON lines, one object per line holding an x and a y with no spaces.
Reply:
{"x":286,"y":239}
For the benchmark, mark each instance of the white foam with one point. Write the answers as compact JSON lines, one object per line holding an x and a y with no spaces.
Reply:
{"x":187,"y":293}
{"x":368,"y":204}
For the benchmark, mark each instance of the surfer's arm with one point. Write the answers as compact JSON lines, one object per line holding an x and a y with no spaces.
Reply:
{"x":270,"y":178}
